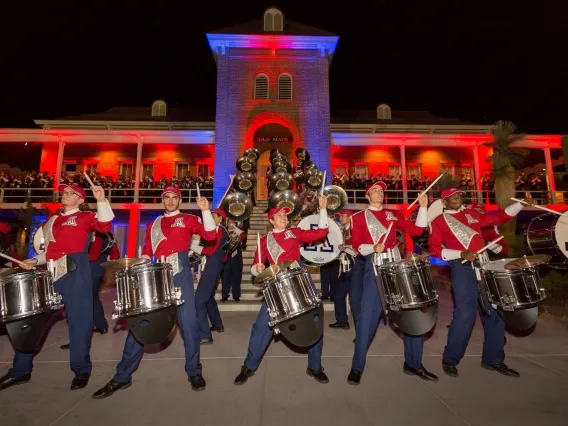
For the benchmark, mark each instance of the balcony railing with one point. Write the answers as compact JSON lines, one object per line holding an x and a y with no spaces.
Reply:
{"x":14,"y":196}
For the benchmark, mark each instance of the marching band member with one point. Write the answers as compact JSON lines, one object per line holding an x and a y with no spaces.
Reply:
{"x":205,"y":304}
{"x":280,"y":245}
{"x":368,"y":227}
{"x":66,"y":237}
{"x":169,"y":236}
{"x":491,"y":233}
{"x":233,"y":270}
{"x":342,"y":278}
{"x":454,"y":236}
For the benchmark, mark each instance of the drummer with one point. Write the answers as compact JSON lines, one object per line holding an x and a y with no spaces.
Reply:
{"x":280,"y":245}
{"x":66,"y":238}
{"x":366,"y":227}
{"x":454,"y":236}
{"x":169,"y":237}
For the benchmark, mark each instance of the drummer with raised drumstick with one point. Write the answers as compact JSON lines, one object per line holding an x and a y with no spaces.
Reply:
{"x":371,"y":238}
{"x":66,"y":237}
{"x":456,"y":236}
{"x":280,"y":245}
{"x":168,"y":238}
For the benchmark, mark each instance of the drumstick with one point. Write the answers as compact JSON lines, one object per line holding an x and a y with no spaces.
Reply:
{"x":481,"y":250}
{"x":323,"y":182}
{"x":425,"y":191}
{"x":11,"y":259}
{"x":89,"y":180}
{"x":258,"y":246}
{"x":387,"y":233}
{"x":538,"y":207}
{"x":198,"y":193}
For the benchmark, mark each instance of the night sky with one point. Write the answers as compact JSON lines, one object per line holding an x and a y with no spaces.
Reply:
{"x":464,"y":59}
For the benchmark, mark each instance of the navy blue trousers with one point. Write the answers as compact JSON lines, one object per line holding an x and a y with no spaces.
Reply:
{"x":326,"y":278}
{"x":466,"y":305}
{"x":339,"y":289}
{"x":232,"y":275}
{"x":356,"y":287}
{"x":368,"y":320}
{"x":76,"y":288}
{"x":187,"y":321}
{"x":98,"y":275}
{"x":261,"y":336}
{"x":205,"y":303}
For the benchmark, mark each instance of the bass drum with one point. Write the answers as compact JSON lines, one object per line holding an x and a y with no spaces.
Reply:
{"x":325,"y":251}
{"x":548,"y":234}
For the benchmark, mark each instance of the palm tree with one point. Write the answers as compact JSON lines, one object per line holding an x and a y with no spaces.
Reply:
{"x":505,"y":161}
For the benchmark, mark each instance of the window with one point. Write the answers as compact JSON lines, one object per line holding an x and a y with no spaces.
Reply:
{"x":361,"y":169}
{"x":285,"y":86}
{"x":182,"y":170}
{"x":261,"y":86}
{"x":147,"y":170}
{"x":384,"y":112}
{"x":126,"y":169}
{"x":394,"y":170}
{"x":414,"y":171}
{"x":203,"y":169}
{"x":159,"y":109}
{"x":447,"y":168}
{"x":90,"y":168}
{"x":273,"y":20}
{"x":70,"y":167}
{"x":467,"y":171}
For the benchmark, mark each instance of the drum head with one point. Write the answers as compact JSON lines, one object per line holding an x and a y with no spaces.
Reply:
{"x":325,"y":251}
{"x":26,"y":333}
{"x":415,"y":322}
{"x":434,"y":210}
{"x":561,"y":234}
{"x":522,"y":319}
{"x":496,"y":265}
{"x":304,"y":330}
{"x":153,"y":327}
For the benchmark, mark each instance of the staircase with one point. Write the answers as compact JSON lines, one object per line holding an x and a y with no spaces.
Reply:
{"x":251,"y":295}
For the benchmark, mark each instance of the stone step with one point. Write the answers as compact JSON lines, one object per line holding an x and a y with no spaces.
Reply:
{"x":253,"y":305}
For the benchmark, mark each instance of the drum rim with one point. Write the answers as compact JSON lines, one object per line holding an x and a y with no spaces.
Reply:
{"x":140,"y":311}
{"x":274,"y":323}
{"x":11,"y":277}
{"x":15,"y":317}
{"x":141,"y":268}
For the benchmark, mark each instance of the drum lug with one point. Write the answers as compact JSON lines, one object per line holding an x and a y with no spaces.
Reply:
{"x":56,"y":301}
{"x":276,"y":330}
{"x":177,"y":295}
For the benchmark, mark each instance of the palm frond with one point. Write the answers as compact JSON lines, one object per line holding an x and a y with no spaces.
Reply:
{"x":505,"y":158}
{"x":448,"y":181}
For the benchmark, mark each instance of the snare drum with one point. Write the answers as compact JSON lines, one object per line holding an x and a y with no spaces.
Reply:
{"x":25,"y":294}
{"x":324,"y":251}
{"x":512,"y":289}
{"x":408,"y":286}
{"x":289,"y":294}
{"x":145,"y":288}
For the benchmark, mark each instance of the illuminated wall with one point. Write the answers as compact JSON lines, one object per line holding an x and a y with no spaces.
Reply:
{"x":49,"y":157}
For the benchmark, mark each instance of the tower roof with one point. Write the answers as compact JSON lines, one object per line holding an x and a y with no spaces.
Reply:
{"x":290,"y":28}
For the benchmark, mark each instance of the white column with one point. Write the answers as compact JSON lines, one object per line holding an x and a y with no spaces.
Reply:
{"x":59,"y":165}
{"x":403,"y":174}
{"x":477,"y":171}
{"x":550,"y":175}
{"x":138,"y":167}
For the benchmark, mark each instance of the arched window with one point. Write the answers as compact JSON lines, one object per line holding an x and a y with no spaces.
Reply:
{"x":261,"y":86}
{"x":159,"y":109}
{"x":273,"y":20}
{"x":384,"y":112}
{"x":284,"y":86}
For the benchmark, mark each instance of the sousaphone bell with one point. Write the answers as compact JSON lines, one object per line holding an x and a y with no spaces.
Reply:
{"x":245,"y":164}
{"x":281,"y":166}
{"x":252,"y":154}
{"x":288,"y":199}
{"x":313,"y":178}
{"x":281,"y":181}
{"x":244,"y":182}
{"x":336,"y":198}
{"x":238,"y":206}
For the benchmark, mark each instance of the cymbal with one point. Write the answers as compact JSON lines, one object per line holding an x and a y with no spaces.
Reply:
{"x":412,"y":258}
{"x":272,"y":271}
{"x":528,"y":261}
{"x":127,"y":262}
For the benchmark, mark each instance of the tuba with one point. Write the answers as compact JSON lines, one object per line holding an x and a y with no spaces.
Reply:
{"x":244,"y":182}
{"x":252,"y":154}
{"x":281,"y":181}
{"x":336,"y":198}
{"x":287,"y":198}
{"x":238,"y":206}
{"x":313,"y":178}
{"x":245,"y":164}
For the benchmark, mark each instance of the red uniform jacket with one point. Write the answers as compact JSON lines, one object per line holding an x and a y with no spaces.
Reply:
{"x":461,"y":231}
{"x":173,"y":235}
{"x":97,"y":247}
{"x":70,"y":233}
{"x":285,"y":245}
{"x":362,"y":222}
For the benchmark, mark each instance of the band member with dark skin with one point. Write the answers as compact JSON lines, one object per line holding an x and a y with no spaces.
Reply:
{"x":66,"y":237}
{"x":491,"y":233}
{"x":205,"y":303}
{"x":368,"y":228}
{"x":454,"y":236}
{"x":233,"y":269}
{"x":280,"y":245}
{"x":169,"y":237}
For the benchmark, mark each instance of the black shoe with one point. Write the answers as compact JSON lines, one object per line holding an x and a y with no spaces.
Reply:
{"x":65,"y":346}
{"x":206,"y":342}
{"x":320,"y":376}
{"x":217,"y":329}
{"x":110,"y":388}
{"x":6,"y":381}
{"x":341,"y":325}
{"x":80,"y":381}
{"x":237,"y":299}
{"x":354,"y":377}
{"x":101,"y":330}
{"x":224,"y":299}
{"x":243,"y":376}
{"x":197,"y":382}
{"x":449,"y":369}
{"x":501,"y":368}
{"x":422,"y":373}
